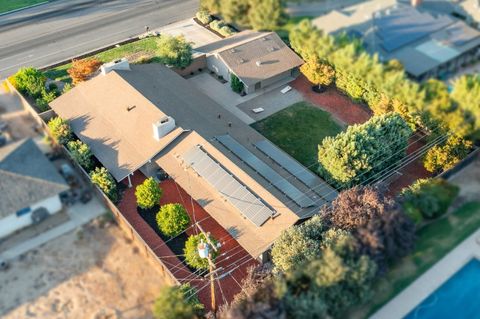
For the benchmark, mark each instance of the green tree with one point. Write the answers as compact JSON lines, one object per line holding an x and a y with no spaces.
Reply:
{"x":174,"y":51}
{"x":148,"y":193}
{"x":382,"y":230}
{"x":428,"y":198}
{"x":362,"y":151}
{"x":331,"y":283}
{"x":30,"y":81}
{"x":265,"y":14}
{"x":178,"y":302}
{"x":445,"y":156}
{"x":235,"y":83}
{"x":172,"y":219}
{"x":203,"y":16}
{"x":102,"y":178}
{"x":466,"y":94}
{"x":235,"y":11}
{"x":81,"y":154}
{"x":60,"y":130}
{"x":211,"y":6}
{"x":318,"y":72}
{"x":192,"y":258}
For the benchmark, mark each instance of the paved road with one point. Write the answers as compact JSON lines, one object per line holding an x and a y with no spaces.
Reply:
{"x":65,"y":28}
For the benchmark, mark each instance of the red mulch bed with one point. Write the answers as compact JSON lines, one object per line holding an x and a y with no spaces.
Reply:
{"x":412,"y":171}
{"x":340,"y":106}
{"x":232,"y":264}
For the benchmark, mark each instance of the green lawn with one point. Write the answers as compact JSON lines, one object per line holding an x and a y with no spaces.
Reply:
{"x":7,"y":5}
{"x":298,"y":130}
{"x":434,"y":241}
{"x":145,"y":47}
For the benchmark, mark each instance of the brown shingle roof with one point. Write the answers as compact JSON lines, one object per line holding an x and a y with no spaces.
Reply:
{"x":254,"y":56}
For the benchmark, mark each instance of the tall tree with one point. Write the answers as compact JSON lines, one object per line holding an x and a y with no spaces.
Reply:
{"x":212,"y":6}
{"x":445,"y":156}
{"x":382,"y":229}
{"x":235,"y":11}
{"x":174,"y":51}
{"x":265,"y":14}
{"x":178,"y":302}
{"x":318,"y":72}
{"x":363,"y":151}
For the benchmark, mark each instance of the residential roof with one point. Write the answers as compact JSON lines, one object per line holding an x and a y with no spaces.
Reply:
{"x":26,"y":177}
{"x":202,"y":120}
{"x":254,"y":56}
{"x":421,"y":38}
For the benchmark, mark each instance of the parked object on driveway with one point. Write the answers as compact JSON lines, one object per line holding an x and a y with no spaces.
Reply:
{"x":286,"y":89}
{"x":258,"y":110}
{"x":39,"y":215}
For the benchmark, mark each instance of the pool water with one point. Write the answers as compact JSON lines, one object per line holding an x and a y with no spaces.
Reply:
{"x":457,"y":298}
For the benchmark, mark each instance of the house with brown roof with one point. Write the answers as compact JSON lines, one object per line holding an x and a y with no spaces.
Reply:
{"x":258,"y":59}
{"x":150,"y":118}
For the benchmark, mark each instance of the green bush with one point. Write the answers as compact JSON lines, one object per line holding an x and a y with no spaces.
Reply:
{"x":192,"y":257}
{"x":174,"y":51}
{"x":236,"y":84}
{"x":428,"y":198}
{"x":102,"y":178}
{"x":60,"y":130}
{"x":67,"y":87}
{"x":148,"y":193}
{"x":81,"y":154}
{"x":216,"y":25}
{"x":172,"y":219}
{"x":30,"y":81}
{"x":363,"y":151}
{"x":226,"y":31}
{"x":204,"y":17}
{"x":177,"y":302}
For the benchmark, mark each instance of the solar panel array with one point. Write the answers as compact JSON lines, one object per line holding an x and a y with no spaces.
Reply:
{"x":296,"y":169}
{"x":226,"y":184}
{"x":266,"y":171}
{"x":405,"y":24}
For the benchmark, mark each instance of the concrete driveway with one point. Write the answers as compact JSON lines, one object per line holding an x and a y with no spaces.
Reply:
{"x":194,"y":33}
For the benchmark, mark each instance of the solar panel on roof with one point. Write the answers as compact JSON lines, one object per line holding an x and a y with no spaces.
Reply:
{"x":231,"y":188}
{"x":267,"y":172}
{"x":294,"y":168}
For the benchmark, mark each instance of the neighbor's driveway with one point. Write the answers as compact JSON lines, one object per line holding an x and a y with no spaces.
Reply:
{"x":194,"y":33}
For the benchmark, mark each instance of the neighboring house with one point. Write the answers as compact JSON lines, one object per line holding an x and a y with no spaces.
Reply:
{"x":29,"y":186}
{"x":150,"y":117}
{"x":426,"y":40}
{"x":258,"y":59}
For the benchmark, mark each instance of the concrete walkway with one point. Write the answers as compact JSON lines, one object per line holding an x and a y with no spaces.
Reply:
{"x":79,"y":214}
{"x":426,"y":284}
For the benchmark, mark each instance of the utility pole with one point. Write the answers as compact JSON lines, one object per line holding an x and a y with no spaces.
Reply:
{"x":205,"y":251}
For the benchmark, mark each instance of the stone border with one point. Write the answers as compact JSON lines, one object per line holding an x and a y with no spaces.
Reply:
{"x":431,"y":280}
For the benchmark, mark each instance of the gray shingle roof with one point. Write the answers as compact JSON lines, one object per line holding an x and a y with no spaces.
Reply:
{"x":26,"y":177}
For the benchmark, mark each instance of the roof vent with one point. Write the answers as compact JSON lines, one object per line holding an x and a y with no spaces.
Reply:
{"x":121,"y":64}
{"x":129,"y":108}
{"x":162,"y":127}
{"x":233,"y":50}
{"x":258,"y":63}
{"x":241,"y":61}
{"x":272,"y":49}
{"x":265,"y":39}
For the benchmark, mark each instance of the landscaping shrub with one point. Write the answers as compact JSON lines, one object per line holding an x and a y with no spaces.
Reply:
{"x":226,"y":31}
{"x":236,"y":84}
{"x":444,"y":157}
{"x":177,"y":302}
{"x":216,"y":25}
{"x":428,"y":198}
{"x":60,"y":130}
{"x":148,"y":193}
{"x":204,"y":17}
{"x":174,"y":51}
{"x":67,"y":87}
{"x":82,"y":69}
{"x":30,"y":81}
{"x":45,"y":99}
{"x":172,"y":219}
{"x":192,"y":258}
{"x":81,"y":154}
{"x":363,"y":151}
{"x":104,"y":180}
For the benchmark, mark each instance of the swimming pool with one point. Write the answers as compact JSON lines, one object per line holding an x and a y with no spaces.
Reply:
{"x":458,"y":297}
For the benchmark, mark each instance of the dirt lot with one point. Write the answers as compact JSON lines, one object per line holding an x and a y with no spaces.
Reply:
{"x":92,"y":273}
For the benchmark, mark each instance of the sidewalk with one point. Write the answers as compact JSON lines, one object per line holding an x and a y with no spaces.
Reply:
{"x":79,"y":214}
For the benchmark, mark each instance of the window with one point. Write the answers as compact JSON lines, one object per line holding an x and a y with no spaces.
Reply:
{"x":23,"y":211}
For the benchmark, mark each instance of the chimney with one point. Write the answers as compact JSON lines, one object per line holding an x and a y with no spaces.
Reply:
{"x":416,"y":3}
{"x":162,"y":127}
{"x":121,"y":64}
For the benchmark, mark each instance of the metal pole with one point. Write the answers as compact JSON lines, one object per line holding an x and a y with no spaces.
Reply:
{"x":212,"y":283}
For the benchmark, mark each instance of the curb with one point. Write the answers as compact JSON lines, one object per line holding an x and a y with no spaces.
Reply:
{"x":24,"y":8}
